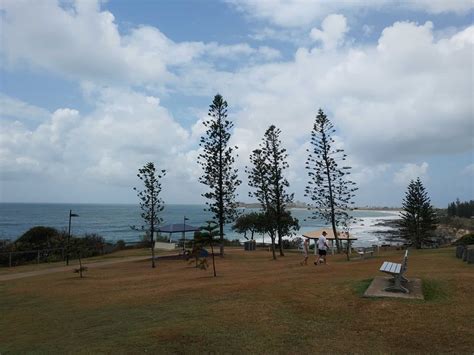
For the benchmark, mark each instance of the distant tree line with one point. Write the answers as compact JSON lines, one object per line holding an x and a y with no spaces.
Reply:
{"x":461,"y":209}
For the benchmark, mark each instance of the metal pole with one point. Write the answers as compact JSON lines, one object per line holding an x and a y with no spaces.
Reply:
{"x":184,"y":234}
{"x":10,"y":260}
{"x":38,"y":258}
{"x":68,"y":236}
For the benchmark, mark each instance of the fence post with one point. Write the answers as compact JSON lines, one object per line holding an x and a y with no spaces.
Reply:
{"x":10,"y":259}
{"x":38,"y":258}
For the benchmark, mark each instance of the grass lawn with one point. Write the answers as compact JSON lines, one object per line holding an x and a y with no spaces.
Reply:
{"x":255,"y":305}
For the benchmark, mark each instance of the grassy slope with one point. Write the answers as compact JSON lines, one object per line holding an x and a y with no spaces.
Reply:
{"x":115,"y":255}
{"x":254,"y":305}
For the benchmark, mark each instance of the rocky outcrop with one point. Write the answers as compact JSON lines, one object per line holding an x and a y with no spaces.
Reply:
{"x":449,"y":234}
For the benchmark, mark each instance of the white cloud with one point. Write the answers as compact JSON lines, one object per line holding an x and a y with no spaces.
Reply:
{"x":84,"y":43}
{"x":440,"y":6}
{"x":332,"y":32}
{"x":302,"y":13}
{"x":410,"y":172}
{"x":14,"y":109}
{"x":124,"y":131}
{"x":405,"y":97}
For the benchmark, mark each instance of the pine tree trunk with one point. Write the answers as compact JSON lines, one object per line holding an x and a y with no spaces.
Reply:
{"x":334,"y":230}
{"x":80,"y":265}
{"x":280,"y":245}
{"x":152,"y":249}
{"x":272,"y":236}
{"x":152,"y":230}
{"x":213,"y":261}
{"x":331,"y":199}
{"x":221,"y":232}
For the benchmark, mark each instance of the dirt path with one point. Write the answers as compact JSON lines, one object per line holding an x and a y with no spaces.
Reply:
{"x":92,"y":265}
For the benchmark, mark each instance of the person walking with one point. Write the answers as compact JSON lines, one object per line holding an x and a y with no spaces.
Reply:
{"x":322,"y":247}
{"x":305,"y":251}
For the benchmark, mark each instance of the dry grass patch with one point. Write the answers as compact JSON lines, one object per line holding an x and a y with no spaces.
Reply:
{"x":255,"y":305}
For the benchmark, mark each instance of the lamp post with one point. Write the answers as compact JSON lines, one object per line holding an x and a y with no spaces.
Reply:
{"x":69,"y":235}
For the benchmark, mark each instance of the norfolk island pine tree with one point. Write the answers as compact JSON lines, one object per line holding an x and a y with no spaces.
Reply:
{"x":217,"y":162}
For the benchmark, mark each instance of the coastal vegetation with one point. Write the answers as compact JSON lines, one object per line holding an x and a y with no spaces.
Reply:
{"x":217,"y":161}
{"x":206,"y":236}
{"x":461,"y":209}
{"x":329,"y":188}
{"x":47,"y":244}
{"x":150,"y":202}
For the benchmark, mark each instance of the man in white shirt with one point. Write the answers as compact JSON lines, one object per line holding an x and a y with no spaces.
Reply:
{"x":322,"y":247}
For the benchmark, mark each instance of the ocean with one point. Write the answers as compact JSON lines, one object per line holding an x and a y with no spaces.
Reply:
{"x":114,"y":221}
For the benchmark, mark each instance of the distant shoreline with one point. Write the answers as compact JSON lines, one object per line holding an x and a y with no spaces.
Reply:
{"x":299,"y":205}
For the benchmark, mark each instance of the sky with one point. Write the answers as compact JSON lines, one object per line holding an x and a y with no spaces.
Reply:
{"x":91,"y":90}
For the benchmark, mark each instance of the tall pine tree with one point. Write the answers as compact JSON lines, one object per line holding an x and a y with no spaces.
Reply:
{"x":217,"y":162}
{"x":267,"y":178}
{"x":258,"y":179}
{"x":277,"y":164}
{"x":150,"y":202}
{"x":418,"y":215}
{"x":328,"y":187}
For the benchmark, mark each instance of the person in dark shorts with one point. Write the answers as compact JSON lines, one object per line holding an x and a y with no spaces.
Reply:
{"x":322,"y":246}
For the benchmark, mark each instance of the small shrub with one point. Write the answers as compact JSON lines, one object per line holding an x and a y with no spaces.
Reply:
{"x":120,"y":245}
{"x":467,"y":239}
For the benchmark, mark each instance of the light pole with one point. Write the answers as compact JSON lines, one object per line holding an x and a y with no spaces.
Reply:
{"x":69,"y":235}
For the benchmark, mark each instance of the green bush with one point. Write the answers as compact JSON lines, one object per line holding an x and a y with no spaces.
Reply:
{"x":467,"y":239}
{"x":120,"y":245}
{"x":87,"y":246}
{"x":40,"y":237}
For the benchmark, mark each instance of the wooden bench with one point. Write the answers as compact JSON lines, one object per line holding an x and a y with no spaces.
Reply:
{"x":364,"y":251}
{"x":397,"y":271}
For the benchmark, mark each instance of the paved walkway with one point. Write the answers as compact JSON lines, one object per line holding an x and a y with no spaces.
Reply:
{"x":21,"y":275}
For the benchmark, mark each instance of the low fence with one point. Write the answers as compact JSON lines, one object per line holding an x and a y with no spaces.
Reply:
{"x":15,"y":258}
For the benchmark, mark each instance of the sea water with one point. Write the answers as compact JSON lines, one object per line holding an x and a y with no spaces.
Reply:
{"x":114,"y":221}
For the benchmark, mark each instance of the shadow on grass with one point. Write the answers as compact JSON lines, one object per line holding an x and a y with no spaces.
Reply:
{"x":434,"y":290}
